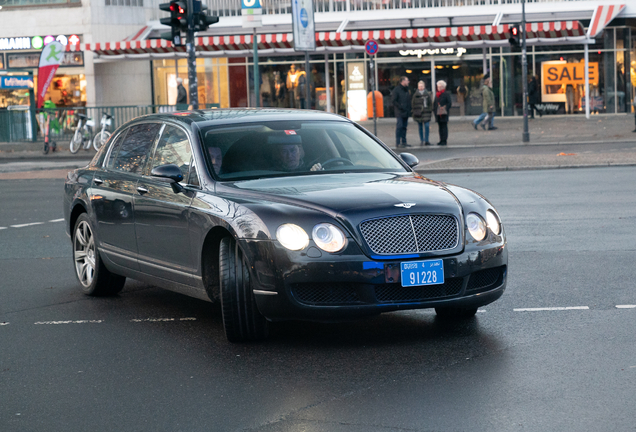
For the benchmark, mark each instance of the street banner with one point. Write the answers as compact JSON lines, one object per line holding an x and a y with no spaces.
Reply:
{"x":303,"y":25}
{"x":50,"y":60}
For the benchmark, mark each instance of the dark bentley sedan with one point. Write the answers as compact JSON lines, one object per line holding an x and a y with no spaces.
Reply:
{"x":279,"y":215}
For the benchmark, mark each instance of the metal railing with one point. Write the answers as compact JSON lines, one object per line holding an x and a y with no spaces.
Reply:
{"x":281,"y":7}
{"x":16,"y":125}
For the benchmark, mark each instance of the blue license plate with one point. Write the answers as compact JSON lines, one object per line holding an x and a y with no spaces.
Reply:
{"x":418,"y":273}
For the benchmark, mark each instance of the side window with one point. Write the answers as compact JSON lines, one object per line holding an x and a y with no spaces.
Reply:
{"x":134,"y":150}
{"x":194,"y":178}
{"x":114,"y":148}
{"x":174,"y":148}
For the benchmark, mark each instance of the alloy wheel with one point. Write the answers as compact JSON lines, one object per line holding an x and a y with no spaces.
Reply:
{"x":84,"y":253}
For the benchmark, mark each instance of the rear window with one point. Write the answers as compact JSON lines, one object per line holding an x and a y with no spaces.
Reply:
{"x":273,"y":149}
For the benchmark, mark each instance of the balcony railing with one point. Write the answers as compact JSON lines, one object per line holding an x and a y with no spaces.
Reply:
{"x":40,"y":3}
{"x":280,"y":7}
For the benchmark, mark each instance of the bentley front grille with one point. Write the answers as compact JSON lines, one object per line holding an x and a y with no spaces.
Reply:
{"x":411,"y":234}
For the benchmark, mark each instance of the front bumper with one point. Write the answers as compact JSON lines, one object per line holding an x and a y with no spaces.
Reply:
{"x":305,"y":286}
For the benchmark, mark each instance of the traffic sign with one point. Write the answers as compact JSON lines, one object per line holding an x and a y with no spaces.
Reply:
{"x":371,"y":47}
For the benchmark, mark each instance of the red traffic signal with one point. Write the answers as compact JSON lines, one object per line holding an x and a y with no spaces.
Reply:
{"x":515,"y":31}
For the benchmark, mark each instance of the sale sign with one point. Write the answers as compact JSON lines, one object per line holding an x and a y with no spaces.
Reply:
{"x":562,"y":73}
{"x":50,"y":60}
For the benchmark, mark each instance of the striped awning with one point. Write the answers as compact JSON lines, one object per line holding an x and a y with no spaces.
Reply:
{"x":553,"y":32}
{"x":603,"y":15}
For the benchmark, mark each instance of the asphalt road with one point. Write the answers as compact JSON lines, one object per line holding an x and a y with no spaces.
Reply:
{"x":150,"y":360}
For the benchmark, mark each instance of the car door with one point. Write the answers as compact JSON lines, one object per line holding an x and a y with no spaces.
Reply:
{"x":161,"y":214}
{"x":114,"y":188}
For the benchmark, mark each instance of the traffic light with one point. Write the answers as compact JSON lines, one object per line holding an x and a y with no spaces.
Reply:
{"x":515,"y":35}
{"x":178,"y":20}
{"x":201,"y":20}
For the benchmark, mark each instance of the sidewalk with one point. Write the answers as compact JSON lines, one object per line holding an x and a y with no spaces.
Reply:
{"x":550,"y":137}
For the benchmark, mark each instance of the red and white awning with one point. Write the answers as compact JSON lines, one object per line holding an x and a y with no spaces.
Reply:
{"x":603,"y":15}
{"x":558,"y":32}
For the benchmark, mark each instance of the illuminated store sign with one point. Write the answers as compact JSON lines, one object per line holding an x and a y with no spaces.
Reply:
{"x":356,"y":91}
{"x":437,"y":51}
{"x":16,"y":82}
{"x":35,"y":42}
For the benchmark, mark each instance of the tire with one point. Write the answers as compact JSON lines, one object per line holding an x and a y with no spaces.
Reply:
{"x":94,"y":277}
{"x":241,"y":319}
{"x":76,"y":141}
{"x":98,"y":142}
{"x":455,"y":313}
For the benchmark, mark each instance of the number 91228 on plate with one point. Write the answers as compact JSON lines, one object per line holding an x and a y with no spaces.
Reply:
{"x":417,"y":273}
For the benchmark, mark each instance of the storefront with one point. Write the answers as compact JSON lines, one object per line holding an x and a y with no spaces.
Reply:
{"x":457,"y":55}
{"x":20,"y":55}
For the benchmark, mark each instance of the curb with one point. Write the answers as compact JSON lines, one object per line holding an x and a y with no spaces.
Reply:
{"x":518,"y":168}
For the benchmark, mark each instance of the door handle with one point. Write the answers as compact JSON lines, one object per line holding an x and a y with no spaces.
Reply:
{"x":142,"y":190}
{"x":98,"y":181}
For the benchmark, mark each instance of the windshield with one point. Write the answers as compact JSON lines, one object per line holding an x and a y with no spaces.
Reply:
{"x":282,"y":148}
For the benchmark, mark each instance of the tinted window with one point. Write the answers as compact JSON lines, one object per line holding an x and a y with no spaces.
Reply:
{"x":174,"y":148}
{"x":133,"y":154}
{"x":114,"y":148}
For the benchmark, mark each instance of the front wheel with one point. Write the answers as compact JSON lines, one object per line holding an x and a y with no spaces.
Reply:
{"x":241,"y":319}
{"x":100,"y":139}
{"x":76,"y":141}
{"x":94,"y":277}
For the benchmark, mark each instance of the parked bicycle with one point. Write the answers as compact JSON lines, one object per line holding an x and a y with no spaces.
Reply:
{"x":83,"y":136}
{"x":102,"y":136}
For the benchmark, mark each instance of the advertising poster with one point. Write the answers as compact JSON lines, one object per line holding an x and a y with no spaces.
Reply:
{"x":557,"y":75}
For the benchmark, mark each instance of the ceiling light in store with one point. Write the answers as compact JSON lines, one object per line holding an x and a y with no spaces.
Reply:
{"x":439,"y":67}
{"x":456,"y":66}
{"x":409,"y":71}
{"x":426,"y":71}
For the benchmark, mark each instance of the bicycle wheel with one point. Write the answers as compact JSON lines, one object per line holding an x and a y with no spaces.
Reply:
{"x":87,"y":139}
{"x":100,"y":139}
{"x":76,"y":142}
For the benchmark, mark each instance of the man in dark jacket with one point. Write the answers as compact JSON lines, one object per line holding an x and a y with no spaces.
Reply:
{"x":533,"y":96}
{"x":401,"y":99}
{"x":182,"y":95}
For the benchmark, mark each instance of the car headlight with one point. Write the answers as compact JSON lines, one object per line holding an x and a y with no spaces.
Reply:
{"x":476,"y":226}
{"x":493,"y":222}
{"x":328,"y":237}
{"x":292,"y":237}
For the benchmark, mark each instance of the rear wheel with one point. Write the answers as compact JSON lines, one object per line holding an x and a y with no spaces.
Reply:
{"x":76,"y":141}
{"x":455,"y":313}
{"x":241,"y":319}
{"x":100,"y":139}
{"x":94,"y":277}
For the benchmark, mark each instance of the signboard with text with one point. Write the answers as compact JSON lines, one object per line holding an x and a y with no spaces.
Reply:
{"x":557,"y":75}
{"x":356,"y":91}
{"x":16,"y":82}
{"x":252,"y":12}
{"x":303,"y":25}
{"x":31,"y":60}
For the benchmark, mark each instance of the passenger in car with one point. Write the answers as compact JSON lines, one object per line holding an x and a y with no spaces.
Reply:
{"x":216,"y":157}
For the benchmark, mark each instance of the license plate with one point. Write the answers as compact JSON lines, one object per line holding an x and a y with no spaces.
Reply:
{"x":418,"y":273}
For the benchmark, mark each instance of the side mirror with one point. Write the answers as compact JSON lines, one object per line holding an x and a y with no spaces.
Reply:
{"x":410,"y":159}
{"x":170,"y":172}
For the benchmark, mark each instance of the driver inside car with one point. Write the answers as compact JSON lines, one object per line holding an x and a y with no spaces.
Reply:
{"x":287,"y":153}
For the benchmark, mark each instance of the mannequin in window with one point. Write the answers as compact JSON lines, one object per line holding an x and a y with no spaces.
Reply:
{"x":292,"y":84}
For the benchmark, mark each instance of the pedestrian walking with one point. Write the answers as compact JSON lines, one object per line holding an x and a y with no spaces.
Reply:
{"x":533,"y":96}
{"x":422,"y":105}
{"x":442,"y":107}
{"x":182,"y":95}
{"x":401,"y":99}
{"x":488,"y":107}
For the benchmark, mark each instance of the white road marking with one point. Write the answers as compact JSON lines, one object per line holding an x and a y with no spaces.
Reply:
{"x":3,"y":228}
{"x":552,"y":309}
{"x":625,"y":306}
{"x":161,"y":319}
{"x":187,"y":319}
{"x":25,"y":225}
{"x":69,"y":322}
{"x":4,"y":323}
{"x":57,"y":220}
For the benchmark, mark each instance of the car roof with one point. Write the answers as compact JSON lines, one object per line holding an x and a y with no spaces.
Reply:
{"x":215,"y":117}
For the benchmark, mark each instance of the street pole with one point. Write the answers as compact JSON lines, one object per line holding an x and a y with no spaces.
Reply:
{"x":32,"y":107}
{"x":375,"y":117}
{"x":192,"y":59}
{"x":257,"y":78}
{"x":524,"y":71}
{"x":307,"y":81}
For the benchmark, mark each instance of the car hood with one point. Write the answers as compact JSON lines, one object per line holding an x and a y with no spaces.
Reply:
{"x":354,"y":196}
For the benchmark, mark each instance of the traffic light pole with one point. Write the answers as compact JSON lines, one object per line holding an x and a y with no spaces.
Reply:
{"x":524,"y":73}
{"x":192,"y":59}
{"x":257,"y":78}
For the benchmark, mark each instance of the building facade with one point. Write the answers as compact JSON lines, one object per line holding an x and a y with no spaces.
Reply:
{"x":338,"y":75}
